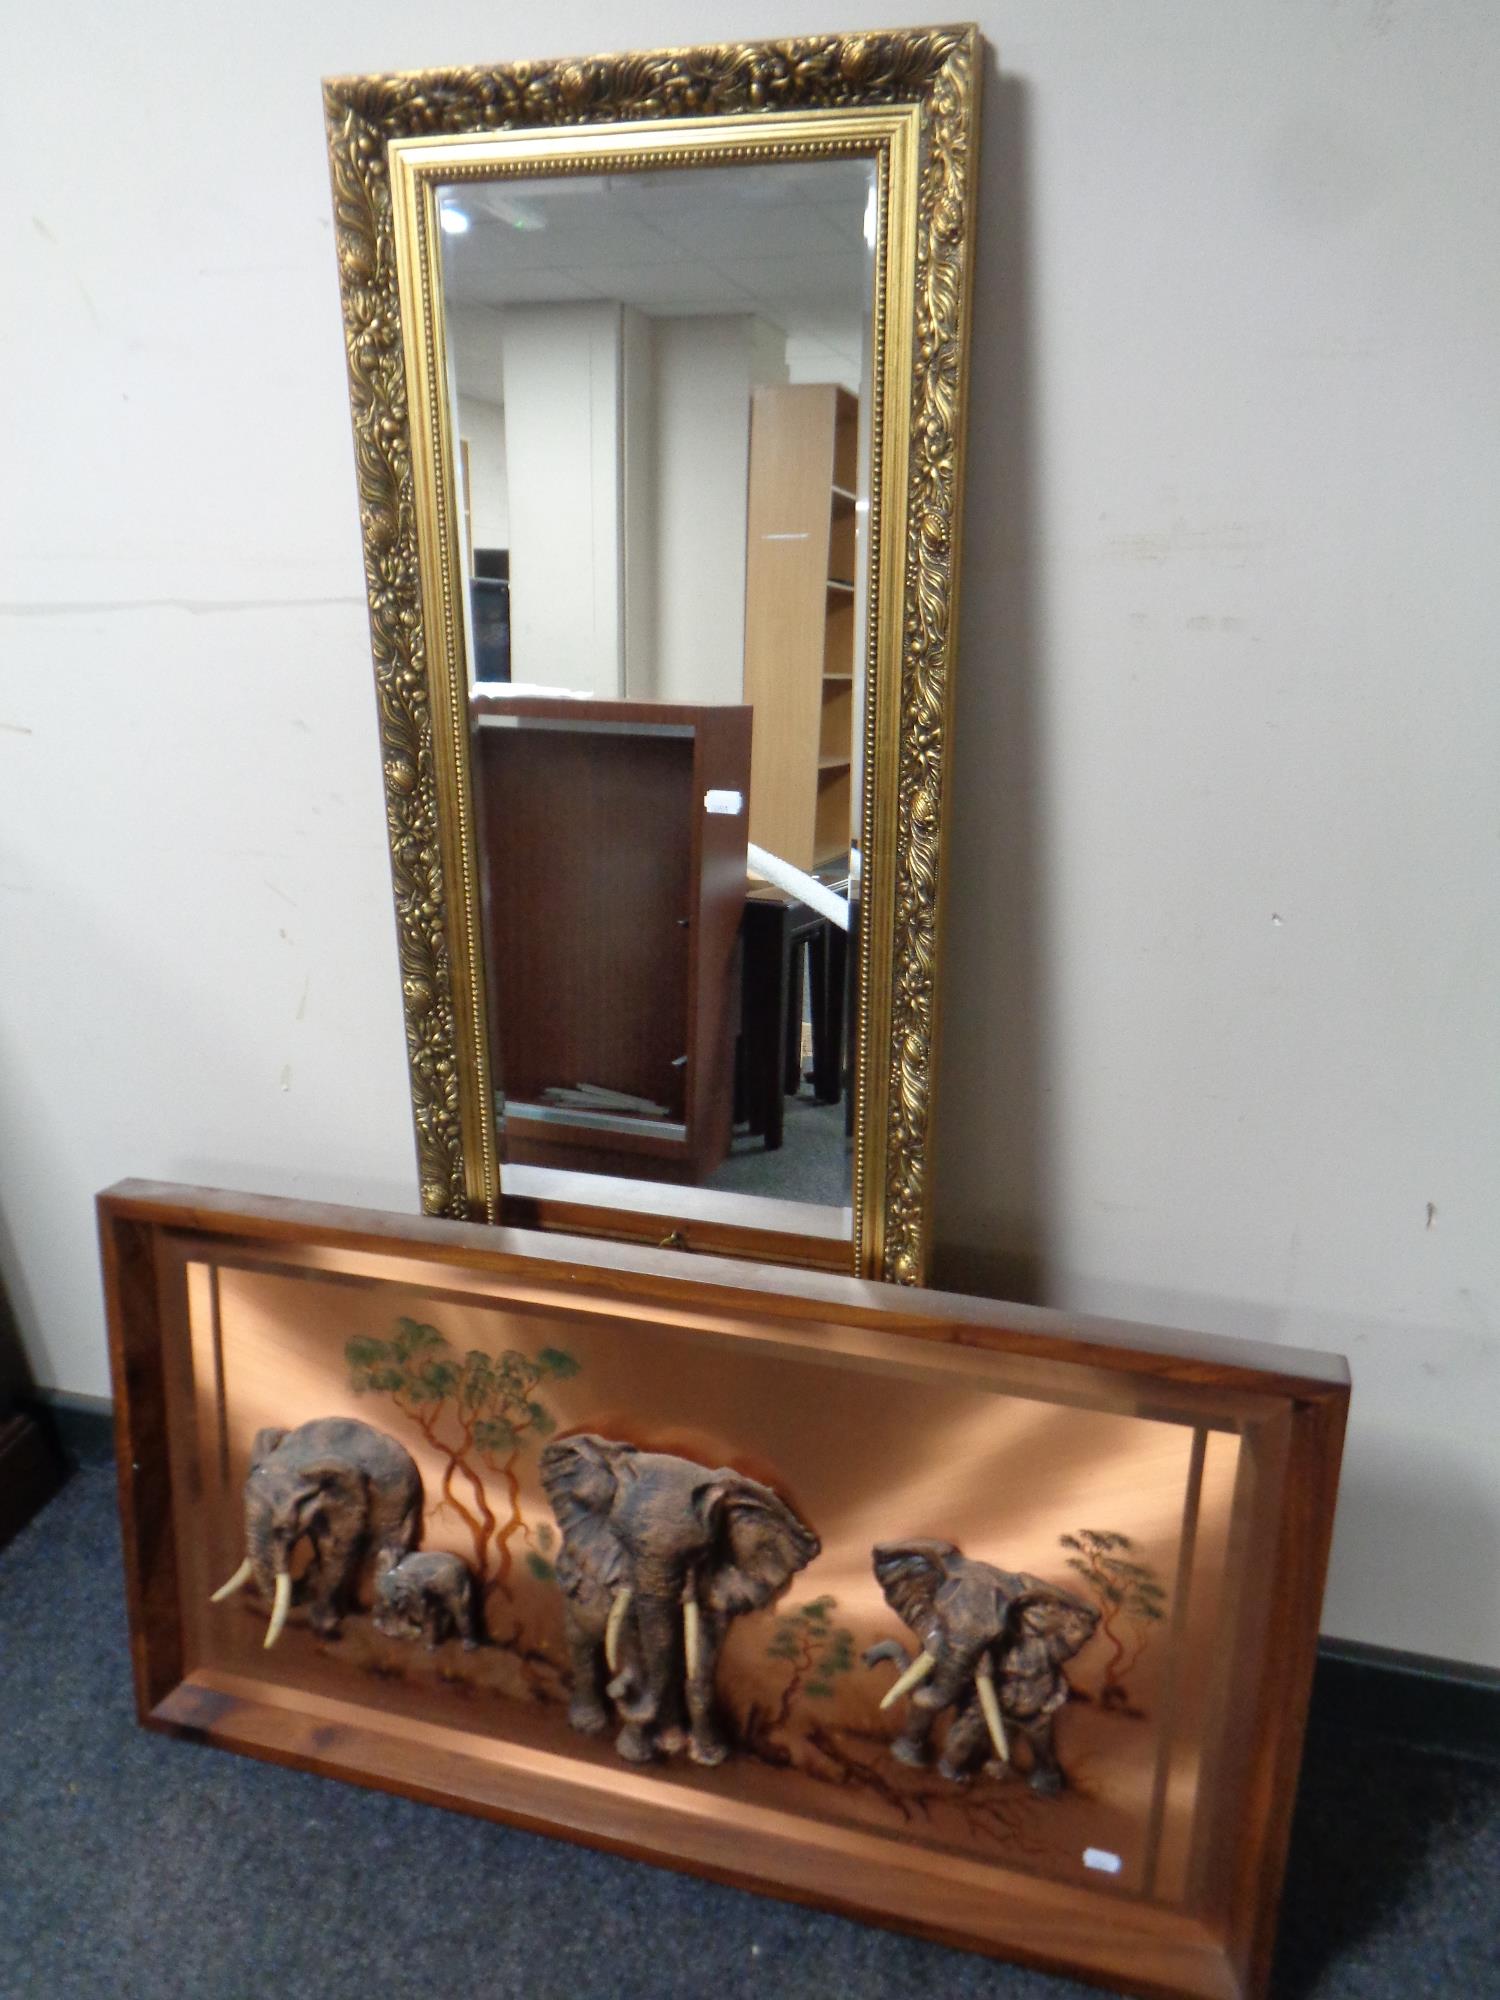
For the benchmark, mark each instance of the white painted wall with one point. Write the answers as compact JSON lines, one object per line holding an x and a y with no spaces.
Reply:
{"x":1223,"y":953}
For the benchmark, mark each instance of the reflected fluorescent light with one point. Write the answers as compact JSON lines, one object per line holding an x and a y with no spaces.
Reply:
{"x":452,"y":221}
{"x":872,"y":218}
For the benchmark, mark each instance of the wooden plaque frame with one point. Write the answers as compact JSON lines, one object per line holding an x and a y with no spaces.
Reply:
{"x":916,"y":1414}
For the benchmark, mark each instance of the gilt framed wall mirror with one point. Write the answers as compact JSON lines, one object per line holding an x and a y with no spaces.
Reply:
{"x":657,"y":374}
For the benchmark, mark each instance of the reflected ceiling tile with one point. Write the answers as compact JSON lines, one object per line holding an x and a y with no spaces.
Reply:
{"x":715,"y":230}
{"x":836,"y":279}
{"x":669,"y":291}
{"x":518,"y":288}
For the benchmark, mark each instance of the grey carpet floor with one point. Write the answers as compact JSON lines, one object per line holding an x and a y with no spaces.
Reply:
{"x":815,"y":1161}
{"x":138,"y":1867}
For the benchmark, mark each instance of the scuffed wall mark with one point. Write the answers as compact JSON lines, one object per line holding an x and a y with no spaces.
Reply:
{"x":83,"y":292}
{"x":298,"y":723}
{"x":1276,"y":920}
{"x":1200,"y":623}
{"x":302,"y":1003}
{"x":1237,"y":539}
{"x":1431,"y":1213}
{"x":1477,"y":1311}
{"x":286,"y":1076}
{"x":16,"y":729}
{"x":279,"y":892}
{"x":196,"y":607}
{"x":88,"y":304}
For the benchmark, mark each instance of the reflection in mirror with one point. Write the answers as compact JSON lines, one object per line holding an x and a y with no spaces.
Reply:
{"x":660,"y":394}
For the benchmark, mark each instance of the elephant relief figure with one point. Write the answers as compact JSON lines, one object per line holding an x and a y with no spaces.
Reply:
{"x":992,"y":1644}
{"x":427,"y":1595}
{"x":659,"y":1555}
{"x":349,"y":1489}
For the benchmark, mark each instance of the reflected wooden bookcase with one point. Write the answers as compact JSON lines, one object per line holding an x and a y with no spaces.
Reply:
{"x":800,"y":618}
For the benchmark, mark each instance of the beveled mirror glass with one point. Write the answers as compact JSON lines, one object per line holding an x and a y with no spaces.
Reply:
{"x":657,"y":374}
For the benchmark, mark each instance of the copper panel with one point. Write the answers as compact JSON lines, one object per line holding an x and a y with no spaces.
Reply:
{"x":894,"y":1445}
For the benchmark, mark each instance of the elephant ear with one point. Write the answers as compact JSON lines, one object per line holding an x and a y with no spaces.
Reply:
{"x":333,"y":1479}
{"x":759,"y":1543}
{"x":911,"y":1574}
{"x":578,"y":1478}
{"x":265,"y":1443}
{"x":1064,"y":1622}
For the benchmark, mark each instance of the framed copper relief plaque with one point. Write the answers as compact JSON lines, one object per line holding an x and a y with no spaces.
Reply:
{"x":979,"y":1621}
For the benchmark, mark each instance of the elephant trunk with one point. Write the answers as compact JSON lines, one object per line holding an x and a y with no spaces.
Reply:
{"x":954,"y":1675}
{"x":952,"y":1672}
{"x":658,"y":1625}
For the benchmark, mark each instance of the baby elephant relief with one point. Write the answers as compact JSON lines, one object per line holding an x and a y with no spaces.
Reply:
{"x":429,"y":1595}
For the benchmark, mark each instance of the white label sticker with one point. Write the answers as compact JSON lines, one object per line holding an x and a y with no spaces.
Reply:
{"x":1102,"y":1859}
{"x":731,"y":803}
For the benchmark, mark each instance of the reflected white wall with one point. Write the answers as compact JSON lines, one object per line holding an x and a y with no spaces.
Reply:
{"x":561,"y":367}
{"x":704,"y":369}
{"x":482,"y":427}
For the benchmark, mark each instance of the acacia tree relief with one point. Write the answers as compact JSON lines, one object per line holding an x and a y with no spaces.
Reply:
{"x":478,"y":1411}
{"x":1128,"y":1594}
{"x":816,"y":1651}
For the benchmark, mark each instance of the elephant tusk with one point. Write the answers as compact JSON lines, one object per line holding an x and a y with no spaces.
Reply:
{"x":989,"y":1701}
{"x":237,"y":1582}
{"x":613,"y":1629}
{"x":279,"y":1608}
{"x":919,"y":1669}
{"x":692,"y":1637}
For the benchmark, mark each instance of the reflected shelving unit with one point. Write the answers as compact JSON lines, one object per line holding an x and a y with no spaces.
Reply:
{"x":800,"y":615}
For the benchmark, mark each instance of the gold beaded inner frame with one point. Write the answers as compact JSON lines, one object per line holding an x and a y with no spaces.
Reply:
{"x":907,"y":102}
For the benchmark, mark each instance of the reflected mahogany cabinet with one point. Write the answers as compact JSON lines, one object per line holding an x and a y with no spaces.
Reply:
{"x":612,"y":859}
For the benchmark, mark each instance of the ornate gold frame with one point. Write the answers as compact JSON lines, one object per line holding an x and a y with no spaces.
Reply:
{"x":909,"y":101}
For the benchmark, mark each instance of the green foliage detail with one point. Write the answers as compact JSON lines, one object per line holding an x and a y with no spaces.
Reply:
{"x":539,"y":1566}
{"x":477,"y":1409}
{"x":817,"y":1652}
{"x":494,"y":1395}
